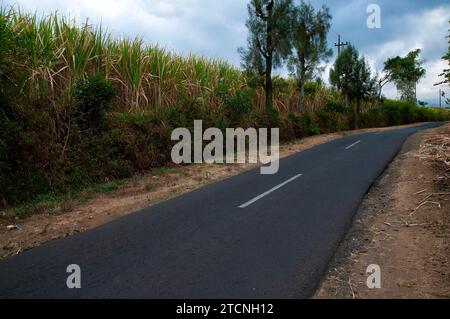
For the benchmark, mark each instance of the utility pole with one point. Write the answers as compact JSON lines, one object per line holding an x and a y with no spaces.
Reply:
{"x":340,"y":44}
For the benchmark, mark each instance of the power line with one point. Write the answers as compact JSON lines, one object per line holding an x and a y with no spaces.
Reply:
{"x":340,"y":44}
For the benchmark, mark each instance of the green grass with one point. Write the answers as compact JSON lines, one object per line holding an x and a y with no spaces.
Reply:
{"x":58,"y":204}
{"x":108,"y":187}
{"x":48,"y":203}
{"x":19,"y":212}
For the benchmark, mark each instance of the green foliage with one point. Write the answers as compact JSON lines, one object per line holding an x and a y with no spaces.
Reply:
{"x":352,"y":75}
{"x":237,"y":106}
{"x":108,"y":187}
{"x":78,"y":108}
{"x":309,"y":126}
{"x":446,"y":72}
{"x":328,"y":121}
{"x":273,"y":117}
{"x":282,"y":86}
{"x":404,"y":112}
{"x":269,"y":26}
{"x":94,"y":96}
{"x":264,"y":47}
{"x":309,"y":40}
{"x":144,"y":139}
{"x":405,"y":72}
{"x":312,"y":89}
{"x":336,"y":106}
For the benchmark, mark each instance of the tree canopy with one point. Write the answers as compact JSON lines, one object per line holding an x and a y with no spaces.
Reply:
{"x":352,"y":75}
{"x":268,"y":41}
{"x":309,"y":40}
{"x":405,"y":72}
{"x":446,"y":72}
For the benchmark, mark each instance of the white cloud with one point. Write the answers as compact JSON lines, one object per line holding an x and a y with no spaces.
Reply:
{"x":426,"y":89}
{"x":426,"y":31}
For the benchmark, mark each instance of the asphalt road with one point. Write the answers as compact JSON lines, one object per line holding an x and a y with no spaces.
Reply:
{"x":249,"y":236}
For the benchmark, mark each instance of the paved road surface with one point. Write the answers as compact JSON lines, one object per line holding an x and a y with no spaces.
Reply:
{"x":250,"y":236}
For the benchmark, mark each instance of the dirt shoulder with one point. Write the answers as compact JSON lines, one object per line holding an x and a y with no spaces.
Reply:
{"x":402,"y":226}
{"x":90,"y":209}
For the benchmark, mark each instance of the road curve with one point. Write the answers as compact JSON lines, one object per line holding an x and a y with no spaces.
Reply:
{"x":249,"y":236}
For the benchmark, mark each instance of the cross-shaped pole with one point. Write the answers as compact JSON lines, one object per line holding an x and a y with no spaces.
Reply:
{"x":340,"y":44}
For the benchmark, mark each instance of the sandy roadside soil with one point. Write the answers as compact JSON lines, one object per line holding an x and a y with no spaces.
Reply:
{"x":87,"y":212}
{"x":402,"y":226}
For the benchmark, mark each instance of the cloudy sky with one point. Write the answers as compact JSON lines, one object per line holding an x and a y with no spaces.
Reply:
{"x":216,"y":28}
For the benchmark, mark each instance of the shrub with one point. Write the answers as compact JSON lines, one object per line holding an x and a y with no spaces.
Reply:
{"x":94,"y":96}
{"x":295,"y":125}
{"x":371,"y":118}
{"x":308,"y":124}
{"x":288,"y":127}
{"x":336,"y":106}
{"x":273,"y":117}
{"x":237,"y":105}
{"x":327,"y":121}
{"x":145,"y":138}
{"x":312,"y":88}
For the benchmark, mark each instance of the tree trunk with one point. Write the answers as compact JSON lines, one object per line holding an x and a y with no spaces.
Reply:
{"x":302,"y":84}
{"x":269,"y":60}
{"x":302,"y":96}
{"x":357,"y":111}
{"x":269,"y":85}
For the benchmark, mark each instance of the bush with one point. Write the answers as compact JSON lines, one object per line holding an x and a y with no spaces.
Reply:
{"x":236,"y":106}
{"x":308,"y":124}
{"x":145,"y":138}
{"x":312,"y":88}
{"x":336,"y":106}
{"x":328,"y":121}
{"x":294,"y":126}
{"x":94,"y":96}
{"x":371,"y":118}
{"x":398,"y":112}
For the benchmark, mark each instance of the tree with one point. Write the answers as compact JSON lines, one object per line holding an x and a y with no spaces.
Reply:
{"x":382,"y":80}
{"x":446,"y":72}
{"x":268,"y":42}
{"x":309,"y":35}
{"x":405,"y":72}
{"x":352,"y":75}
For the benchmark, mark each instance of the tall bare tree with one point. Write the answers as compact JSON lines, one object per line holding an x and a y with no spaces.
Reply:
{"x":268,"y":41}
